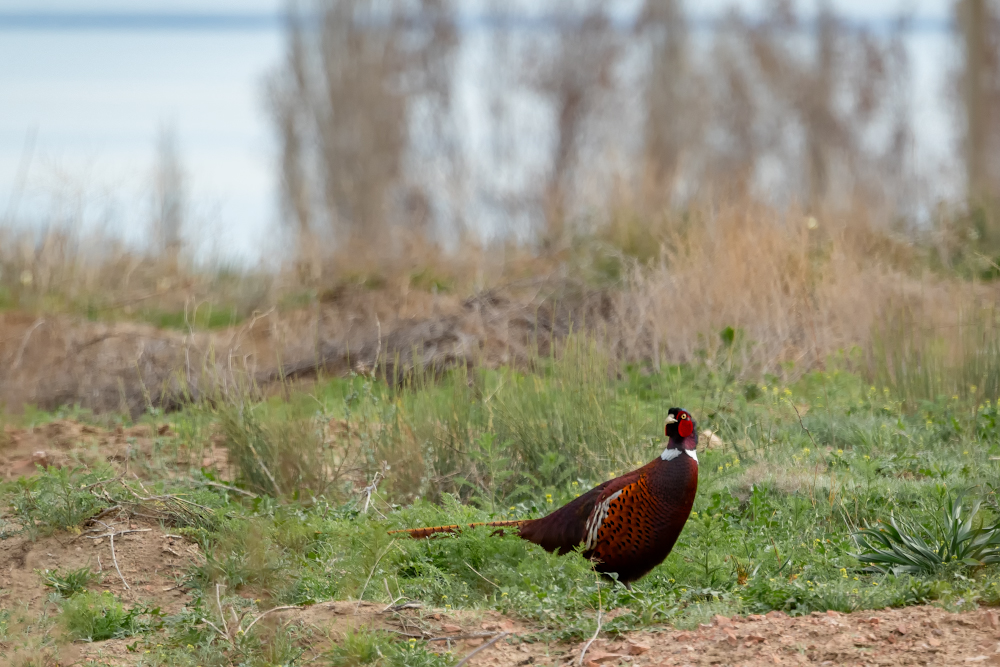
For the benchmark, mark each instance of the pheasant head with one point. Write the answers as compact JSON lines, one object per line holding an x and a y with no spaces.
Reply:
{"x":682,"y":435}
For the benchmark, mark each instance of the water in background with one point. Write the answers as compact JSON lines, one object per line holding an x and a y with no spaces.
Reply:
{"x":96,"y":100}
{"x":82,"y":109}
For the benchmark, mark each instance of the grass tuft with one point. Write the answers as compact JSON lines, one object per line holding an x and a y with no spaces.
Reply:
{"x":69,"y":583}
{"x":94,"y":617}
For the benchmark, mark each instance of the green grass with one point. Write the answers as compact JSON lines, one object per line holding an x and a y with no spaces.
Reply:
{"x":803,"y":470}
{"x":366,"y":647}
{"x":97,"y":616}
{"x":69,"y":583}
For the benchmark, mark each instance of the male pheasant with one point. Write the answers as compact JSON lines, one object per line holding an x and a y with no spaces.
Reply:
{"x":627,"y":525}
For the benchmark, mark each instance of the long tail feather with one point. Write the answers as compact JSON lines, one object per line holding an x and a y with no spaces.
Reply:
{"x":419,"y":533}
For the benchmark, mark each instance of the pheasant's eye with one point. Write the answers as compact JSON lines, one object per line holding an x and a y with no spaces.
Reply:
{"x":683,"y":416}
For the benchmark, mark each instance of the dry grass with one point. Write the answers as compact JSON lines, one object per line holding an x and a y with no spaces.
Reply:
{"x":654,"y":288}
{"x":798,"y":288}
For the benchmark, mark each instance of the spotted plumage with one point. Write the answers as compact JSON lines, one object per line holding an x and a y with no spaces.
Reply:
{"x":626,"y":525}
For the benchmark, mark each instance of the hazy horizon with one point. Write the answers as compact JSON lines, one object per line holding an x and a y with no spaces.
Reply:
{"x":92,"y":100}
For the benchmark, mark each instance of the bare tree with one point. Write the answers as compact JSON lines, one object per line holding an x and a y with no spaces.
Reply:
{"x":344,"y":104}
{"x":975,"y":31}
{"x":573,"y":72}
{"x":824,"y":123}
{"x":674,"y":106}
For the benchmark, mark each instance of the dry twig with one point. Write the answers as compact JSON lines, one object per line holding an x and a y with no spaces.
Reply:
{"x":111,"y":536}
{"x":481,"y":576}
{"x":361,"y":596}
{"x":483,"y":647}
{"x":600,"y":609}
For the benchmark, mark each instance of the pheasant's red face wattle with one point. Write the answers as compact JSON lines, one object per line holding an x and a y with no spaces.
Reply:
{"x":685,"y":427}
{"x":683,"y":422}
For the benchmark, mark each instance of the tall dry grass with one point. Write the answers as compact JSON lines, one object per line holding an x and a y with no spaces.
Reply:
{"x":795,"y":288}
{"x":654,"y":288}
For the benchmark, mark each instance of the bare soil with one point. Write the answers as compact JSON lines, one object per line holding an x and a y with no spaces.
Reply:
{"x":151,"y":562}
{"x":910,"y":636}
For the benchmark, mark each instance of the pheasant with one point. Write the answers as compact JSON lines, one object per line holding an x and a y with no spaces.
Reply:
{"x":628,"y":524}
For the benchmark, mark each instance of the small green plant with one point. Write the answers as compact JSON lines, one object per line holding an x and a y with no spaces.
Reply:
{"x":94,"y":616}
{"x":58,"y":498}
{"x":69,"y":583}
{"x":367,"y":647}
{"x":902,"y":548}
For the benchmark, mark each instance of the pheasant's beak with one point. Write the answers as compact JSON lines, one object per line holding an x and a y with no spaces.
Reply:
{"x":671,"y":419}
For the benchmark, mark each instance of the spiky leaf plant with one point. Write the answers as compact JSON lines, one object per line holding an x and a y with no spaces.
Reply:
{"x":899,"y":547}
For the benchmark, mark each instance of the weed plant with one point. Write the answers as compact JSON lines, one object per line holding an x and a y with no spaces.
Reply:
{"x":94,"y":616}
{"x":69,"y":583}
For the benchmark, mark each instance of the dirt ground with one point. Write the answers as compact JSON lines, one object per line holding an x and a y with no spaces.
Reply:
{"x":148,"y":563}
{"x":151,"y":562}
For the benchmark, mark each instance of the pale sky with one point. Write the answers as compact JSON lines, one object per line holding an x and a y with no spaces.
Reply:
{"x":95,"y":99}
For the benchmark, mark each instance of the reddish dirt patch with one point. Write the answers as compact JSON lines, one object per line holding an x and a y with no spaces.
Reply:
{"x":65,"y":442}
{"x":911,"y":636}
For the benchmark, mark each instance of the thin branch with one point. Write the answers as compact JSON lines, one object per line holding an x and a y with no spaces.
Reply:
{"x":473,"y":635}
{"x":254,"y":622}
{"x":248,"y":494}
{"x":115,"y":559}
{"x":216,"y":628}
{"x":24,"y":343}
{"x":222,"y":616}
{"x":263,"y":467}
{"x":370,"y":575}
{"x":808,"y":432}
{"x":368,"y":491}
{"x":600,"y":609}
{"x":120,"y":532}
{"x":481,"y":575}
{"x":483,"y":647}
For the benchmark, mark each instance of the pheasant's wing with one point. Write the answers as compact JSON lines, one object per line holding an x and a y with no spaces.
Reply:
{"x":621,"y":522}
{"x":562,"y":530}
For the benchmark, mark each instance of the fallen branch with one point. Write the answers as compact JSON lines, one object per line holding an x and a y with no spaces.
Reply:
{"x":598,"y":630}
{"x":481,"y":648}
{"x":472,"y":635}
{"x":254,"y":621}
{"x":248,"y":494}
{"x":24,"y":343}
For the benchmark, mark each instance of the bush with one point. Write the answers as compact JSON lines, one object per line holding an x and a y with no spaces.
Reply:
{"x":58,"y":498}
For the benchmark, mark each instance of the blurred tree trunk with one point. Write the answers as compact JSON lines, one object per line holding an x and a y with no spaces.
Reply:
{"x":672,"y":120}
{"x":974,"y":30}
{"x":168,"y":204}
{"x":573,"y":73}
{"x":343,"y":106}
